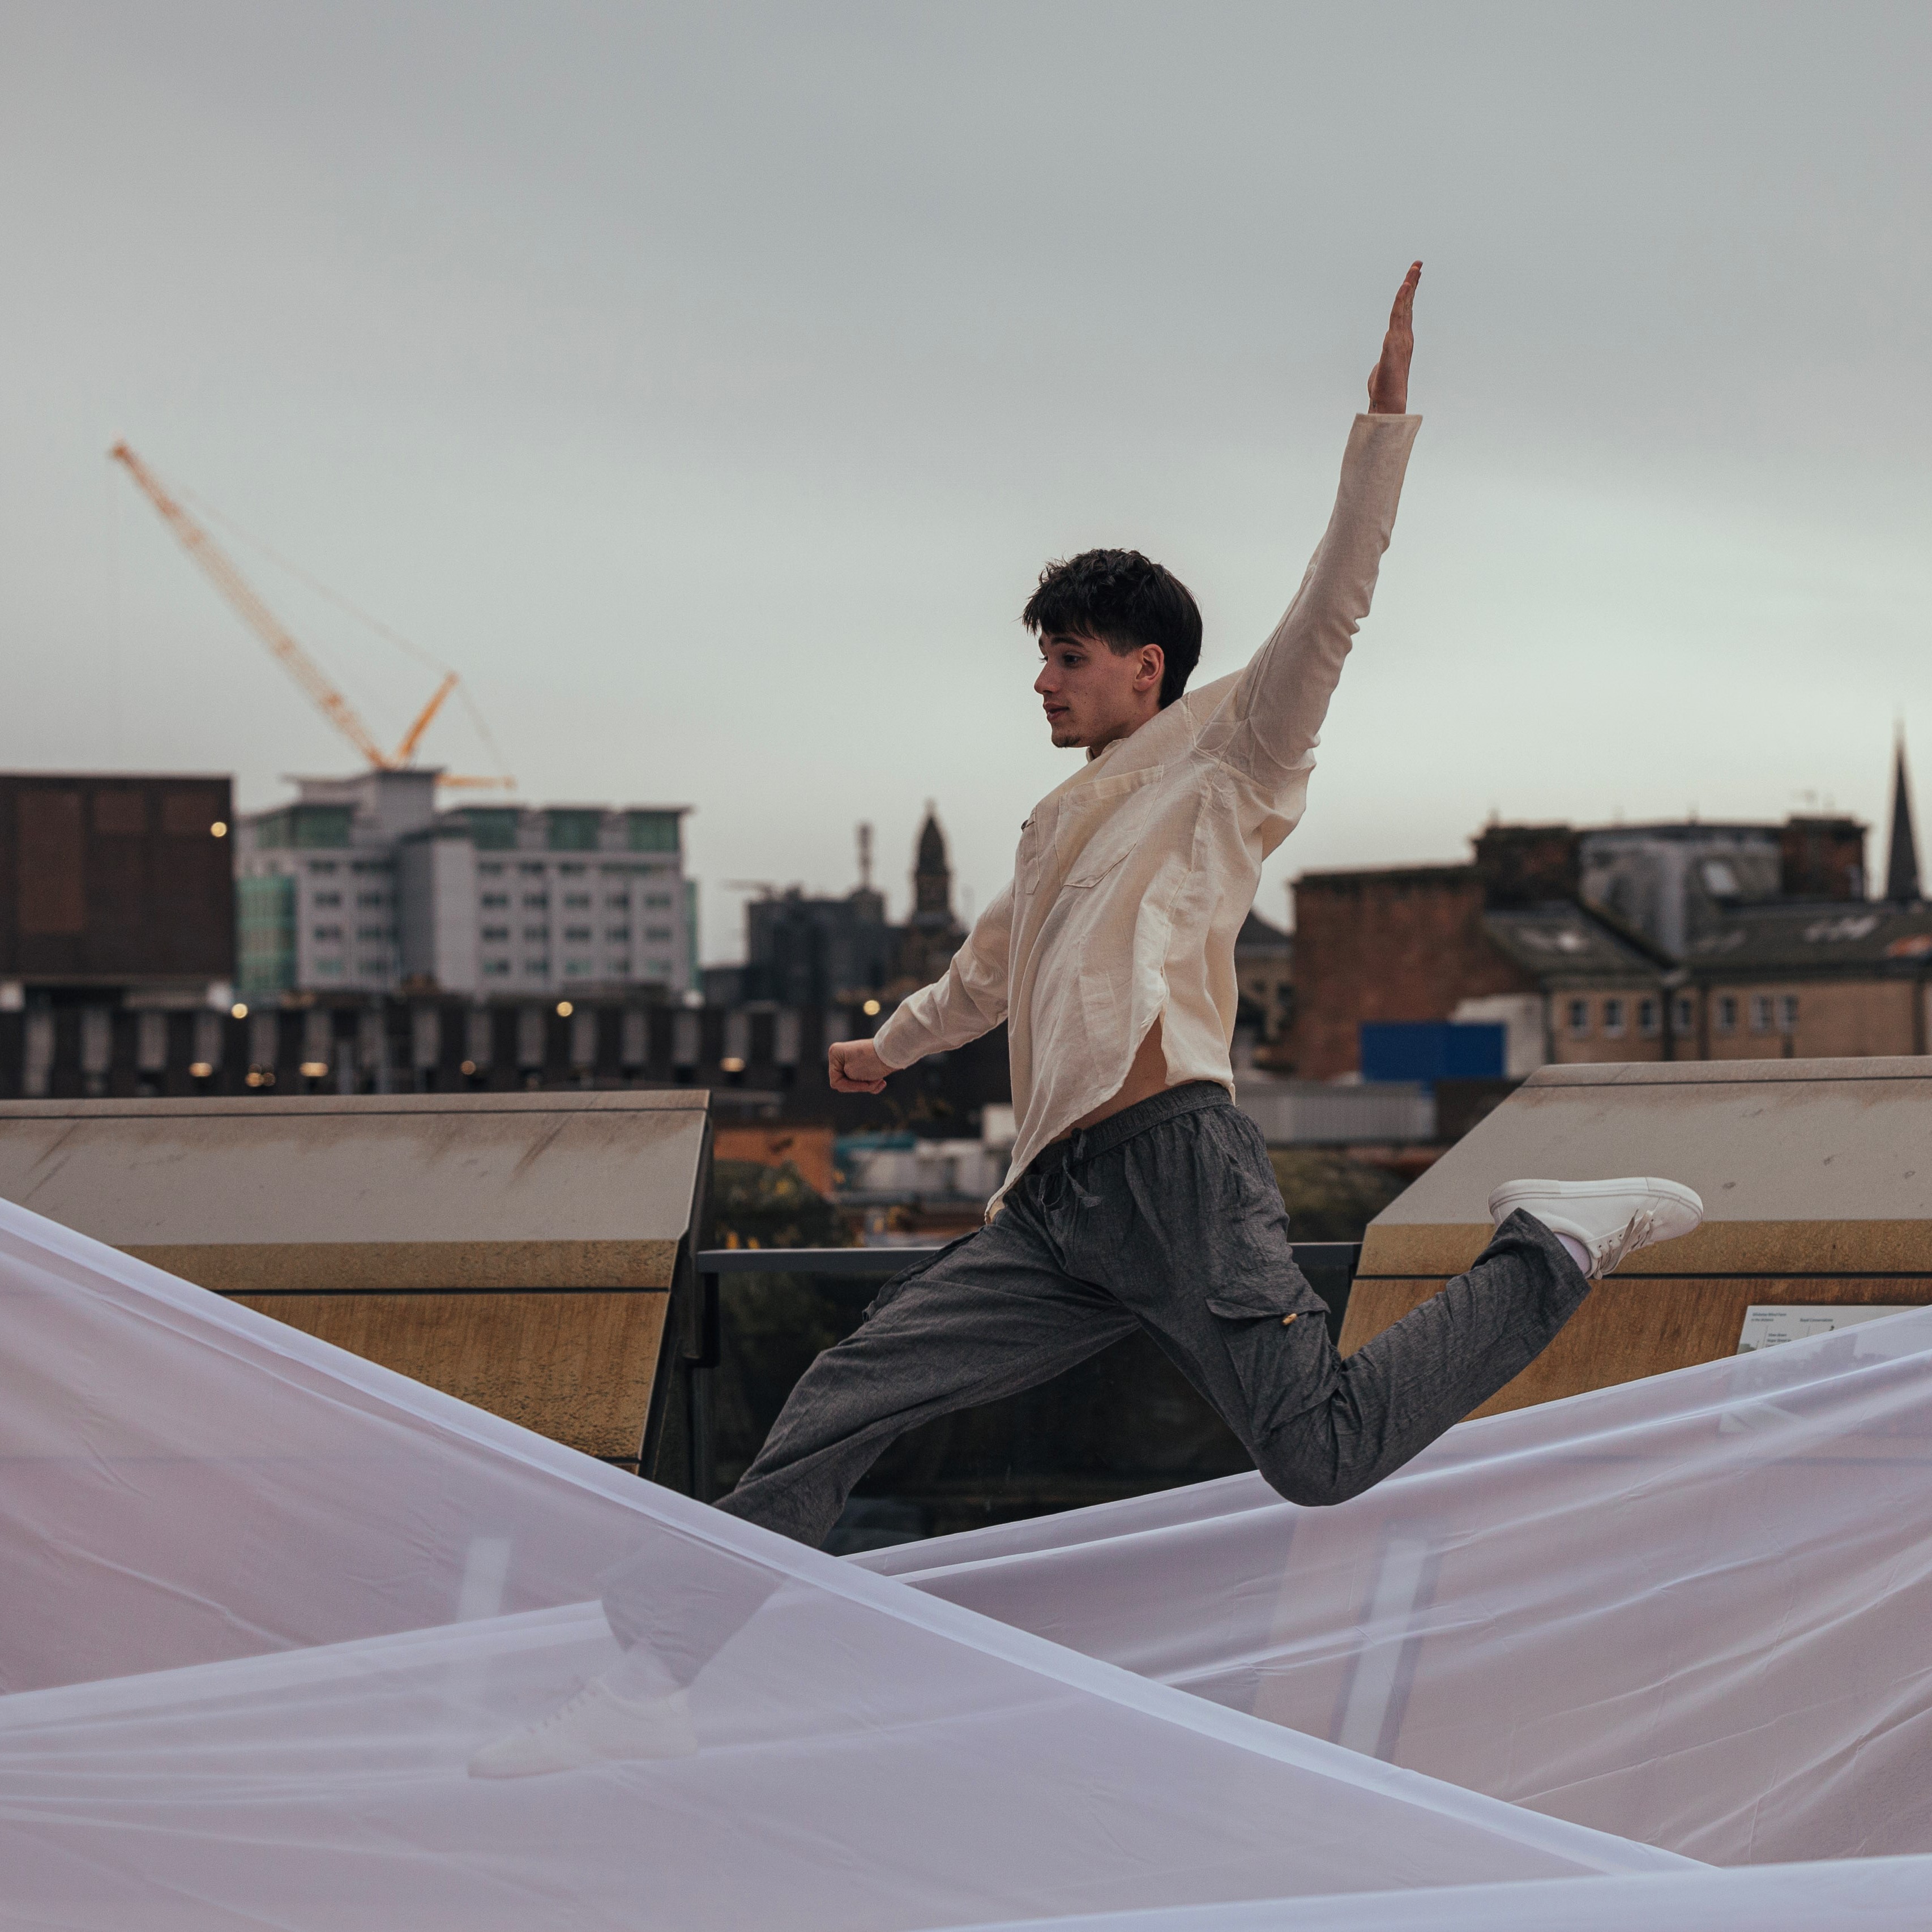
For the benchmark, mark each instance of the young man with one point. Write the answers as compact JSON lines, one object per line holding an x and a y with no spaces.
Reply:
{"x":1139,"y":1194}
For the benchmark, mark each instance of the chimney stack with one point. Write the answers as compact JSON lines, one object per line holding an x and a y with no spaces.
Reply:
{"x":1523,"y":865}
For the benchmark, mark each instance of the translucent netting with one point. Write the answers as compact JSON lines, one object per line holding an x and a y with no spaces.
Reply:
{"x":263,"y":1601}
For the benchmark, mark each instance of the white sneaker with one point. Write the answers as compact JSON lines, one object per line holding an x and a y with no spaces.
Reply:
{"x":1609,"y":1219}
{"x":597,"y":1725}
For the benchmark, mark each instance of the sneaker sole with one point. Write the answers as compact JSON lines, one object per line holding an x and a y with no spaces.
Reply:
{"x":1512,"y":1194}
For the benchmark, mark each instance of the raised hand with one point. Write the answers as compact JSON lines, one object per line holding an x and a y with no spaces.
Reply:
{"x":1388,"y":380}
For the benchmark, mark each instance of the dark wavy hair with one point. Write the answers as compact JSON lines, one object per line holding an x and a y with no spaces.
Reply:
{"x":1122,"y":600}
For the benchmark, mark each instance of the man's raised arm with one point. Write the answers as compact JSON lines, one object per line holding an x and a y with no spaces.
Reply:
{"x":1276,"y":710}
{"x":971,"y":1000}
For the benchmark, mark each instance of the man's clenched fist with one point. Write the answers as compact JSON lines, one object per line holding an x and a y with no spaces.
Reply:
{"x":856,"y":1068}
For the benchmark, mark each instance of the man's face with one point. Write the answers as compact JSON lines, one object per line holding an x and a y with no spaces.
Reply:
{"x":1092,"y":694}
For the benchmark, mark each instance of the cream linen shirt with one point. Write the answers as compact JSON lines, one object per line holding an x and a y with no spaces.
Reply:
{"x":1133,"y":877}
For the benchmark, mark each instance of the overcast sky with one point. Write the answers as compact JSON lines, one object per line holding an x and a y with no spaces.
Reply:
{"x":708,"y":384}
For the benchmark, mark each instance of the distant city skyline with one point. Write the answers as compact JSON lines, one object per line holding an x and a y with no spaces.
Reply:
{"x":708,"y":389}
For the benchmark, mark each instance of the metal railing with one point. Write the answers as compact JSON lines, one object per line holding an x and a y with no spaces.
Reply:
{"x":1317,"y":1259}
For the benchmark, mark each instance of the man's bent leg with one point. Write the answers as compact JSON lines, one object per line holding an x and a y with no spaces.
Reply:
{"x":1421,"y":1376}
{"x":1193,"y":1239}
{"x":994,"y":1315}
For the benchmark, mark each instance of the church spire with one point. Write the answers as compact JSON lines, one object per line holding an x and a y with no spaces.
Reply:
{"x":1901,"y":870}
{"x":932,"y":877}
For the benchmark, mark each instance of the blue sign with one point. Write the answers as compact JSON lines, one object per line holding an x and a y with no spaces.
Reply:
{"x":1432,"y":1050}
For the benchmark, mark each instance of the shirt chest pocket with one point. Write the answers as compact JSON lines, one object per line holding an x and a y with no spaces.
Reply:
{"x":1102,"y":823}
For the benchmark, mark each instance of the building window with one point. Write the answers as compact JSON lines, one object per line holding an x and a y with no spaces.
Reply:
{"x":1787,"y":1013}
{"x":328,"y":898}
{"x":329,"y":934}
{"x":496,"y":901}
{"x":536,"y":901}
{"x":496,"y":969}
{"x":1647,"y":1018}
{"x":1761,"y":1012}
{"x":657,"y":969}
{"x":619,"y":969}
{"x":537,"y":969}
{"x":662,"y":933}
{"x":1684,"y":1014}
{"x":534,"y":866}
{"x":576,"y":969}
{"x":1613,"y":1018}
{"x":317,"y":866}
{"x":619,"y":902}
{"x":652,"y":831}
{"x":658,"y":901}
{"x":1727,"y":1012}
{"x":329,"y":968}
{"x":373,"y":932}
{"x":372,"y":899}
{"x":375,"y":969}
{"x":536,"y":932}
{"x":573,"y":831}
{"x":494,"y":869}
{"x":576,"y":934}
{"x":576,"y":900}
{"x":618,"y":935}
{"x":1579,"y":1013}
{"x":492,"y":829}
{"x":500,"y":933}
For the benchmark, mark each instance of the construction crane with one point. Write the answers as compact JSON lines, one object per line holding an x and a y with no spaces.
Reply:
{"x":247,"y":603}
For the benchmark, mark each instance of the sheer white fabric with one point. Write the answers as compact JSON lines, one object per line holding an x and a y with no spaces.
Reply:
{"x":1860,"y":1895}
{"x":1692,"y":1609}
{"x":263,"y":1600}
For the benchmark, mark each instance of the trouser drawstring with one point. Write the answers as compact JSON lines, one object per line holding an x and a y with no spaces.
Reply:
{"x":1058,"y":1184}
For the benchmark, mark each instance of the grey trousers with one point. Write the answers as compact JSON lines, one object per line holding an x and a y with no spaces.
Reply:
{"x":1166,"y":1217}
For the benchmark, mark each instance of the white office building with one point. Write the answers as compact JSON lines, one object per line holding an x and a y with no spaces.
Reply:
{"x":362,"y":886}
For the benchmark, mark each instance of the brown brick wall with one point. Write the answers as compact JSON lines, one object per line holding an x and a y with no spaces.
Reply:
{"x":1835,"y":1019}
{"x":1406,"y":944}
{"x":1528,"y":865}
{"x":107,"y":877}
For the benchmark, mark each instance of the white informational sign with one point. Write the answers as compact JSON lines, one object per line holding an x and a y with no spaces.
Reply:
{"x":1766,"y":1324}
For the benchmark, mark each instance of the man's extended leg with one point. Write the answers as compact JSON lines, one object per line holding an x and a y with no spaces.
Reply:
{"x":994,"y":1314}
{"x":990,"y":1315}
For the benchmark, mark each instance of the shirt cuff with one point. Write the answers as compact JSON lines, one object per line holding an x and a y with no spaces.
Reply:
{"x":884,"y":1034}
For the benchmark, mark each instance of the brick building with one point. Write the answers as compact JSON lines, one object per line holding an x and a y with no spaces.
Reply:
{"x":1651,"y":942}
{"x":115,"y":889}
{"x":1392,"y":942}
